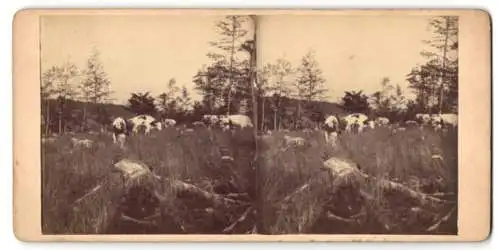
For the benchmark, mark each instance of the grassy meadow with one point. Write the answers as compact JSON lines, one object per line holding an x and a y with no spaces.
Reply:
{"x":405,"y":157}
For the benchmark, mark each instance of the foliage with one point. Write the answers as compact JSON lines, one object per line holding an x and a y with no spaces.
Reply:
{"x":142,"y":103}
{"x":436,"y":82}
{"x":355,"y":102}
{"x":95,"y":87}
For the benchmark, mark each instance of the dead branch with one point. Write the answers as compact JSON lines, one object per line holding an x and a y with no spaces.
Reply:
{"x":238,"y":196}
{"x":142,"y":222}
{"x":296,"y":192}
{"x":440,"y":221}
{"x":93,"y":190}
{"x":183,"y":188}
{"x":422,"y":198}
{"x":239,"y":220}
{"x":332,"y":216}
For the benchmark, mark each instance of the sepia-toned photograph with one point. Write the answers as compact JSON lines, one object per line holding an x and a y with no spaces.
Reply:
{"x":293,"y":125}
{"x":182,"y":125}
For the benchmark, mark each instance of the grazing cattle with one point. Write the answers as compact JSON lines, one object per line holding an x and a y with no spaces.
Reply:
{"x":382,"y":121}
{"x":331,"y":127}
{"x":441,"y":120}
{"x":424,"y":119}
{"x":146,"y":121}
{"x":169,"y":122}
{"x":210,"y":120}
{"x":356,"y":120}
{"x":241,"y":121}
{"x":120,"y":130}
{"x":84,"y":143}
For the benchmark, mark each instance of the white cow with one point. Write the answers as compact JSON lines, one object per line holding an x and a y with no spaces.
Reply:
{"x":441,"y":120}
{"x":210,"y":120}
{"x":424,"y":119}
{"x":147,"y":121}
{"x":120,"y":130}
{"x":382,"y":121}
{"x":169,"y":122}
{"x":332,"y":128}
{"x":355,"y":120}
{"x":242,"y":121}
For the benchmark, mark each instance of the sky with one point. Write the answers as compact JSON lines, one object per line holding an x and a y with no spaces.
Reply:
{"x":141,"y":53}
{"x":354,"y":52}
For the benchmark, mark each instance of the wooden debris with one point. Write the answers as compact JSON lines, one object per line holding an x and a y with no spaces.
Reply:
{"x":440,"y":221}
{"x":343,"y":172}
{"x":239,"y":220}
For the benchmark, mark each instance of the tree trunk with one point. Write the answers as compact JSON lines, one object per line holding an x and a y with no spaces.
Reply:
{"x":445,"y":50}
{"x":233,"y":38}
{"x":47,"y":117}
{"x":258,"y":199}
{"x":84,"y":119}
{"x":275,"y":119}
{"x":60,"y":122}
{"x":263,"y":114}
{"x":298,"y":114}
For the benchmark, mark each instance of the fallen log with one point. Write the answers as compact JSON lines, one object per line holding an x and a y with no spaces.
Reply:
{"x":103,"y":200}
{"x":337,"y":172}
{"x":216,"y":200}
{"x":133,"y":170}
{"x":422,"y":198}
{"x":343,"y":171}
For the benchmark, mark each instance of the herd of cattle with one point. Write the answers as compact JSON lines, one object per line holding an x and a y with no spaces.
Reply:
{"x":332,"y":126}
{"x":122,"y":127}
{"x":357,"y":123}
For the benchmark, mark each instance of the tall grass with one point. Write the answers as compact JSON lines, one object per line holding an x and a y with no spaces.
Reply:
{"x":69,"y":173}
{"x":404,"y":157}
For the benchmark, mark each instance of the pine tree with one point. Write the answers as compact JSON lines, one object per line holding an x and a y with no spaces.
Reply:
{"x":95,"y":87}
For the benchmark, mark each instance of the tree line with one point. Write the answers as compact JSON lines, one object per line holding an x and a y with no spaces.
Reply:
{"x":277,"y":95}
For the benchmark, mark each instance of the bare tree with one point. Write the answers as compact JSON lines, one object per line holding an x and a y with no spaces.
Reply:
{"x":47,"y":90}
{"x":167,"y":101}
{"x":280,"y":85}
{"x":65,"y":89}
{"x":95,"y":87}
